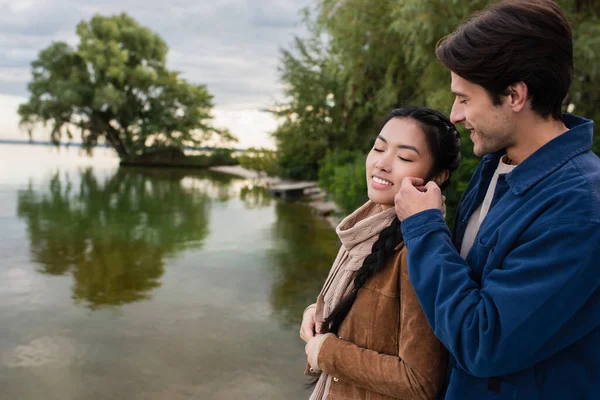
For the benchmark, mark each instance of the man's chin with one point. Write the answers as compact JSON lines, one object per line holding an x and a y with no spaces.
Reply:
{"x":480,"y":151}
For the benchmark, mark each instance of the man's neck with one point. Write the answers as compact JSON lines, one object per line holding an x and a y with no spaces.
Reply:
{"x":533,"y":135}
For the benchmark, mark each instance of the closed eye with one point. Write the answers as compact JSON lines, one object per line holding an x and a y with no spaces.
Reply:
{"x":378,"y":150}
{"x":404,"y":159}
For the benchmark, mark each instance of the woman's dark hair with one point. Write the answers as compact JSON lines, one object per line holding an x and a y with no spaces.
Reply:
{"x":444,"y":143}
{"x":441,"y":135}
{"x":515,"y":41}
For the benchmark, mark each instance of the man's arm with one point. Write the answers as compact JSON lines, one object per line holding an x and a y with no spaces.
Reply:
{"x":523,"y":311}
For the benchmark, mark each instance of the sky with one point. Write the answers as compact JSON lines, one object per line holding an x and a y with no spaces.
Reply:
{"x":231,"y":46}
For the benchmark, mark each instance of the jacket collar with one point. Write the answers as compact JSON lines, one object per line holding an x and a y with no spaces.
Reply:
{"x":549,"y":157}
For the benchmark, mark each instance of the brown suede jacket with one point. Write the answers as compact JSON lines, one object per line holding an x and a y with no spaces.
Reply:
{"x":385,"y":348}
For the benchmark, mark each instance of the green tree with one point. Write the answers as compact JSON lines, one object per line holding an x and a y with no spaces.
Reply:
{"x":343,"y":176}
{"x":361,"y":58}
{"x":115,"y":85}
{"x":311,"y":118}
{"x":339,"y":82}
{"x":260,"y":160}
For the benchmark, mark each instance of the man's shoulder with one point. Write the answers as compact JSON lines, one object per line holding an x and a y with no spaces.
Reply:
{"x":582,"y":171}
{"x":571,"y":193}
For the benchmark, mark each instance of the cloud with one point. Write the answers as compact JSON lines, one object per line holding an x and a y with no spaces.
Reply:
{"x":249,"y":125}
{"x":232,"y":46}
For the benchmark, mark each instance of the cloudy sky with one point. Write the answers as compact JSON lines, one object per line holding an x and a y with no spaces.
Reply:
{"x":232,"y":46}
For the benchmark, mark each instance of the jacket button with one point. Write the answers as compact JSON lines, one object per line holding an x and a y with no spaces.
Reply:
{"x":312,"y":370}
{"x":335,"y":379}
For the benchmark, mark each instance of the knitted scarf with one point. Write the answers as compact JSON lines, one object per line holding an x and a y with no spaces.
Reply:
{"x":357,"y":232}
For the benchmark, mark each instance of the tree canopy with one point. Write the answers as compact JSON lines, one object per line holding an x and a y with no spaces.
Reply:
{"x":115,"y":85}
{"x":361,"y":58}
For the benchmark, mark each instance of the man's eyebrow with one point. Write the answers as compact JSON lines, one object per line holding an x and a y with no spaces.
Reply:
{"x":454,"y":92}
{"x":401,"y":146}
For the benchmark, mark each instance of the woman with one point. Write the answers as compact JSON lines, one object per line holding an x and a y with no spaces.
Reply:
{"x":367,"y":337}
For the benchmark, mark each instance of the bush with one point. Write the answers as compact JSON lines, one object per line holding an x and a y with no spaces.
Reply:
{"x":221,"y":156}
{"x":261,"y":160}
{"x":343,"y":176}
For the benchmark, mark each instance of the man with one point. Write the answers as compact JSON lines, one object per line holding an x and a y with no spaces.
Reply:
{"x":520,"y":310}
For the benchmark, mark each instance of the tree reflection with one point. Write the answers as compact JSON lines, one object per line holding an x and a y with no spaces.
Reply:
{"x":113,"y":236}
{"x":305,"y":249}
{"x":255,"y":196}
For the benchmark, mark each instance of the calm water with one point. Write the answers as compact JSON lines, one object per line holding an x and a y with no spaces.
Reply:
{"x":150,"y":284}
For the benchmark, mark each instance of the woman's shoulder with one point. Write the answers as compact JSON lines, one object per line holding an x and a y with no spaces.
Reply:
{"x":398,"y":256}
{"x":400,"y":247}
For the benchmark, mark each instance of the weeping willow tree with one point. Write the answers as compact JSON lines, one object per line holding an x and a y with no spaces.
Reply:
{"x":360,"y":58}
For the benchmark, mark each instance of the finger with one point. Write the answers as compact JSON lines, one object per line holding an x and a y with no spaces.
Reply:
{"x":303,"y":331}
{"x":318,"y":327}
{"x":306,"y":335}
{"x":412,"y":181}
{"x":421,"y":188}
{"x":431,"y":185}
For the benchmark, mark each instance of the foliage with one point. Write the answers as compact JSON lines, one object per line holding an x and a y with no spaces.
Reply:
{"x":260,"y":160}
{"x":222,"y":156}
{"x":361,"y":58}
{"x":343,"y":176}
{"x":115,"y":85}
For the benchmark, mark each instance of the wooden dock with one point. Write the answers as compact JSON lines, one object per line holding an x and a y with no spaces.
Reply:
{"x":292,"y":190}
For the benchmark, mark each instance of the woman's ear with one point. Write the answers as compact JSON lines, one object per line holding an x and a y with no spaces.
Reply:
{"x":442,"y":177}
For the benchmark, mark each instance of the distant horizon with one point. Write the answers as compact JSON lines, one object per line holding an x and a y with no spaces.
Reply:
{"x":104,"y":145}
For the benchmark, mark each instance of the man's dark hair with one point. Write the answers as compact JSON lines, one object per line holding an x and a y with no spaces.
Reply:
{"x":515,"y":41}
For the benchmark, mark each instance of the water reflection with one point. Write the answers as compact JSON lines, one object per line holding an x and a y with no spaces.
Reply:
{"x":254,"y":195}
{"x":306,"y":247}
{"x":113,"y":236}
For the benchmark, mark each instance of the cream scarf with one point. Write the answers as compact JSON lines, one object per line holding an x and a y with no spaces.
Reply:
{"x":357,"y":232}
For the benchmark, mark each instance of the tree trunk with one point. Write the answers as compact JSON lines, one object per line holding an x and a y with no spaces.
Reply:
{"x":102,"y":122}
{"x":113,"y":137}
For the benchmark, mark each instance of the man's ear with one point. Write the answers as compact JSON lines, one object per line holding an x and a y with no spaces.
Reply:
{"x":518,"y":94}
{"x":442,"y":177}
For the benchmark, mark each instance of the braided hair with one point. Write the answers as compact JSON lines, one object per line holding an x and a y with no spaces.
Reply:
{"x":443,"y":141}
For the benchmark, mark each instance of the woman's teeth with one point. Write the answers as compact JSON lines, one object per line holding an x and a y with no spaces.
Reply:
{"x":381,"y":181}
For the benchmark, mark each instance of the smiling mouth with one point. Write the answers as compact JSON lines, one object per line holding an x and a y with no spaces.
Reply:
{"x":381,"y":181}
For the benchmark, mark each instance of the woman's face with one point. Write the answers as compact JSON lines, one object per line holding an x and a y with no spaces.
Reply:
{"x":399,"y":151}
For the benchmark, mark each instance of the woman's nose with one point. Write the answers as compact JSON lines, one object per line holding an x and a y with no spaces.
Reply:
{"x":382,"y":164}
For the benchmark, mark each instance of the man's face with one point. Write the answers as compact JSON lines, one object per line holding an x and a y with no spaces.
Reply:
{"x":490,"y":125}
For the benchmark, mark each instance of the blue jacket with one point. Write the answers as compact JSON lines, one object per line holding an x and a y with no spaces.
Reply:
{"x":521,"y":315}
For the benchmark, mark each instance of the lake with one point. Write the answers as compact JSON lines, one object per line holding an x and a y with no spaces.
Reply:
{"x":142,"y":283}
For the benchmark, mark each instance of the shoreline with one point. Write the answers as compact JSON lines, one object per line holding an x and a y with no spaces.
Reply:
{"x":326,"y":210}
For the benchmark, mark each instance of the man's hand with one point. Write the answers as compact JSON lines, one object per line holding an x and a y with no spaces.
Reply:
{"x":309,"y":327}
{"x":413,"y":197}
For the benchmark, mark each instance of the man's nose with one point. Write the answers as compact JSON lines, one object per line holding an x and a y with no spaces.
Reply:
{"x":457,"y":115}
